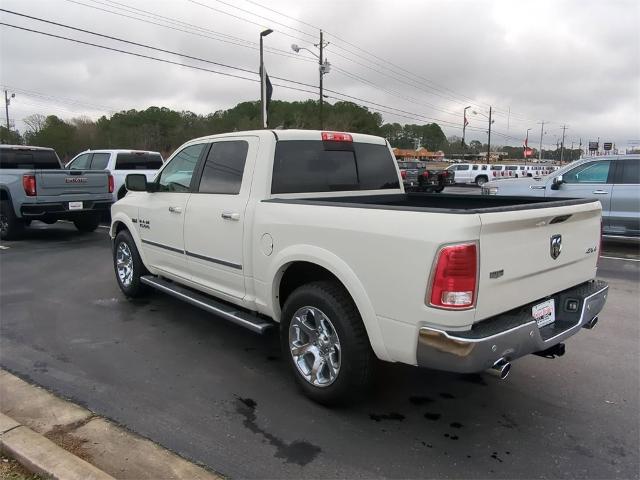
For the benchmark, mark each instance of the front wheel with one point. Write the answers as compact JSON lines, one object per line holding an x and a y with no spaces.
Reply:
{"x":326,"y":344}
{"x":481,"y":181}
{"x":128,"y":265}
{"x":87,"y":224}
{"x":439,"y":189}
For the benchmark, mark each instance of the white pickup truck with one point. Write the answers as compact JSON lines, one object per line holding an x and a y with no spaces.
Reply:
{"x":119,"y":163}
{"x":312,"y":232}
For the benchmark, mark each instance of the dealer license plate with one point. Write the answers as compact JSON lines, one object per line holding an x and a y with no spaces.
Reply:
{"x":75,"y":205}
{"x":544,"y":313}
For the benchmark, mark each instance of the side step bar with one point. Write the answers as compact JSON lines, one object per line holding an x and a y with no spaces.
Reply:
{"x":228,"y":312}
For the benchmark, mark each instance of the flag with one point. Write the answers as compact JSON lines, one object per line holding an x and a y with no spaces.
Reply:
{"x":266,"y":94}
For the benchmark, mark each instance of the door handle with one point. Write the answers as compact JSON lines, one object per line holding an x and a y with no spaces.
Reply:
{"x":231,"y":216}
{"x":175,"y":209}
{"x":601,"y":192}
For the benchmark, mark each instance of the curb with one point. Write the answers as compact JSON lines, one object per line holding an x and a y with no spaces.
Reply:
{"x":61,"y":440}
{"x":40,"y":455}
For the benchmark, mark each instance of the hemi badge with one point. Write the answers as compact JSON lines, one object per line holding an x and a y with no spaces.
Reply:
{"x":496,"y":274}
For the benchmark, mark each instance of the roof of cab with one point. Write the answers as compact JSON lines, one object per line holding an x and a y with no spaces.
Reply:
{"x":23,"y":147}
{"x":294,"y":135}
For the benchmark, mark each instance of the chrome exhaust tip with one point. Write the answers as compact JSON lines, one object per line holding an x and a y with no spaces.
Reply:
{"x":500,"y":369}
{"x":591,"y":323}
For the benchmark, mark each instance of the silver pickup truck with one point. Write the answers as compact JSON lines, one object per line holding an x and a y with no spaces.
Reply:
{"x":35,"y":186}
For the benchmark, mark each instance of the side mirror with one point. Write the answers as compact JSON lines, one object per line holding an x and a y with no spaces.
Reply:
{"x":136,"y":182}
{"x":557,"y":181}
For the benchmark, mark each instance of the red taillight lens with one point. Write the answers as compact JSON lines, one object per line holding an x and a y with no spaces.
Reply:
{"x":111,"y":184}
{"x":29,"y":185}
{"x":454,"y":281}
{"x":403,"y":174}
{"x":425,"y":174}
{"x":336,"y":137}
{"x":494,"y":174}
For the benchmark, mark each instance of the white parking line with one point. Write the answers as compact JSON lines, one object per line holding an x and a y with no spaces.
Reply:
{"x":622,"y":258}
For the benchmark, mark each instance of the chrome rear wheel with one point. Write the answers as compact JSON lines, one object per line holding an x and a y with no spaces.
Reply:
{"x":124,"y":264}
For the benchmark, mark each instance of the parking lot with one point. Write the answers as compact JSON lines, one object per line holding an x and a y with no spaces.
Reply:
{"x":220,"y":395}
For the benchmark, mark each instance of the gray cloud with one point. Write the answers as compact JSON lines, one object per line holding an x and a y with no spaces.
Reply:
{"x":573,"y":62}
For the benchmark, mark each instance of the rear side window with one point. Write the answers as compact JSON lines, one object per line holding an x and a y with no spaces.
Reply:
{"x":463,"y":167}
{"x":138,"y":161}
{"x":302,"y":166}
{"x":475,"y":167}
{"x":630,"y":171}
{"x":496,"y":167}
{"x":224,"y":168}
{"x":100,"y":161}
{"x":29,"y":159}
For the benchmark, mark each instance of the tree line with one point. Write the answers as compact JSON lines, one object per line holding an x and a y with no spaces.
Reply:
{"x":163,"y":129}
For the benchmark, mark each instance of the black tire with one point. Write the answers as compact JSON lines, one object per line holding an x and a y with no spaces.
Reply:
{"x":11,"y":227}
{"x":439,"y":189}
{"x":357,"y":359}
{"x":88,"y":223}
{"x":135,"y":288}
{"x":481,"y":180}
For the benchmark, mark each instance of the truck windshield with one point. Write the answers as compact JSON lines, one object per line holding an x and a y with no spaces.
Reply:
{"x":304,"y":166}
{"x":138,"y":161}
{"x":28,"y":159}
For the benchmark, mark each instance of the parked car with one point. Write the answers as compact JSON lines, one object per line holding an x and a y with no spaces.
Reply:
{"x":478,"y":173}
{"x":416,"y":177}
{"x":35,"y":186}
{"x":120,"y":163}
{"x":294,"y":229}
{"x":613,"y":180}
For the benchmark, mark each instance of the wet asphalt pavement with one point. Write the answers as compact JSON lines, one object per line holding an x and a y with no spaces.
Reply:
{"x":220,"y":395}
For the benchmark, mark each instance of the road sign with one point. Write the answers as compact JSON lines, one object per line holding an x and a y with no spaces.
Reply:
{"x":607,"y":146}
{"x":593,"y":146}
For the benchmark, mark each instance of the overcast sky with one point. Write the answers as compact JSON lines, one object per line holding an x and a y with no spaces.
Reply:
{"x":574,"y":63}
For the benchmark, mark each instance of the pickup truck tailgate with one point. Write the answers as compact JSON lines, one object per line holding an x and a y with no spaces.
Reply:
{"x":54,"y":183}
{"x":517,"y":264}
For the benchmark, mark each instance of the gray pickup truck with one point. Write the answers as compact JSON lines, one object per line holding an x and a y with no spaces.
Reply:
{"x":34,"y":185}
{"x":612,"y":179}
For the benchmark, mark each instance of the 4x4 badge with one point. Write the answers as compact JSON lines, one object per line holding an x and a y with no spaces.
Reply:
{"x":556,"y":246}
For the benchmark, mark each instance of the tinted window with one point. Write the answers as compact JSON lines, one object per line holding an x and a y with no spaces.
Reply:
{"x":24,"y":159}
{"x":475,"y":167}
{"x":313,"y":166}
{"x":496,"y":167}
{"x":463,"y":167}
{"x":224,"y":168}
{"x":484,"y":167}
{"x":138,"y":161}
{"x":176,"y":176}
{"x":100,"y":161}
{"x":81,"y":162}
{"x":630,"y":171}
{"x":592,"y":172}
{"x":511,"y":167}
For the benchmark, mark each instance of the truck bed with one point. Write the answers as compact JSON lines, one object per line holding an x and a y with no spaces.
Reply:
{"x":443,"y":203}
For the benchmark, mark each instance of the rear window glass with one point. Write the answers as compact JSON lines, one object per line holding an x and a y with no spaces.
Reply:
{"x":138,"y":161}
{"x":303,"y":166}
{"x":26,"y":159}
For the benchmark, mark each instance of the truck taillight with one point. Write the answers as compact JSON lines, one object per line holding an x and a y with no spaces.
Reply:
{"x":111,"y":184}
{"x":336,"y":137}
{"x":455,"y":277}
{"x":425,"y":174}
{"x":403,"y":174}
{"x":29,"y":185}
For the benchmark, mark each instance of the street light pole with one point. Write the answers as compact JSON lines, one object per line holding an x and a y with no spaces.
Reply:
{"x":263,"y":99}
{"x":323,"y":67}
{"x":7,"y":101}
{"x":541,"y":134}
{"x":320,"y":67}
{"x":564,"y":127}
{"x":526,"y":145}
{"x":489,"y":139}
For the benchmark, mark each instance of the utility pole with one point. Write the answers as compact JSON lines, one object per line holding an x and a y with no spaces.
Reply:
{"x":464,"y":123}
{"x":541,"y":134}
{"x":489,"y":139}
{"x":320,"y":69}
{"x":7,"y":101}
{"x":564,"y":127}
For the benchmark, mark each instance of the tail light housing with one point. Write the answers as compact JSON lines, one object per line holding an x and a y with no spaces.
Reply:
{"x":403,"y":174}
{"x":425,"y":174}
{"x":111,"y":184}
{"x":455,"y":277}
{"x":29,"y":185}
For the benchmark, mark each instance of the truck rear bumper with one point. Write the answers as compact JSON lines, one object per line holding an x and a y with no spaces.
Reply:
{"x":510,"y":335}
{"x":61,"y":209}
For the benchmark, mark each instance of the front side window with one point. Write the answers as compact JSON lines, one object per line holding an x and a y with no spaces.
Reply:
{"x":592,"y":172}
{"x":100,"y":161}
{"x":81,"y":162}
{"x":224,"y":168}
{"x":176,"y":176}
